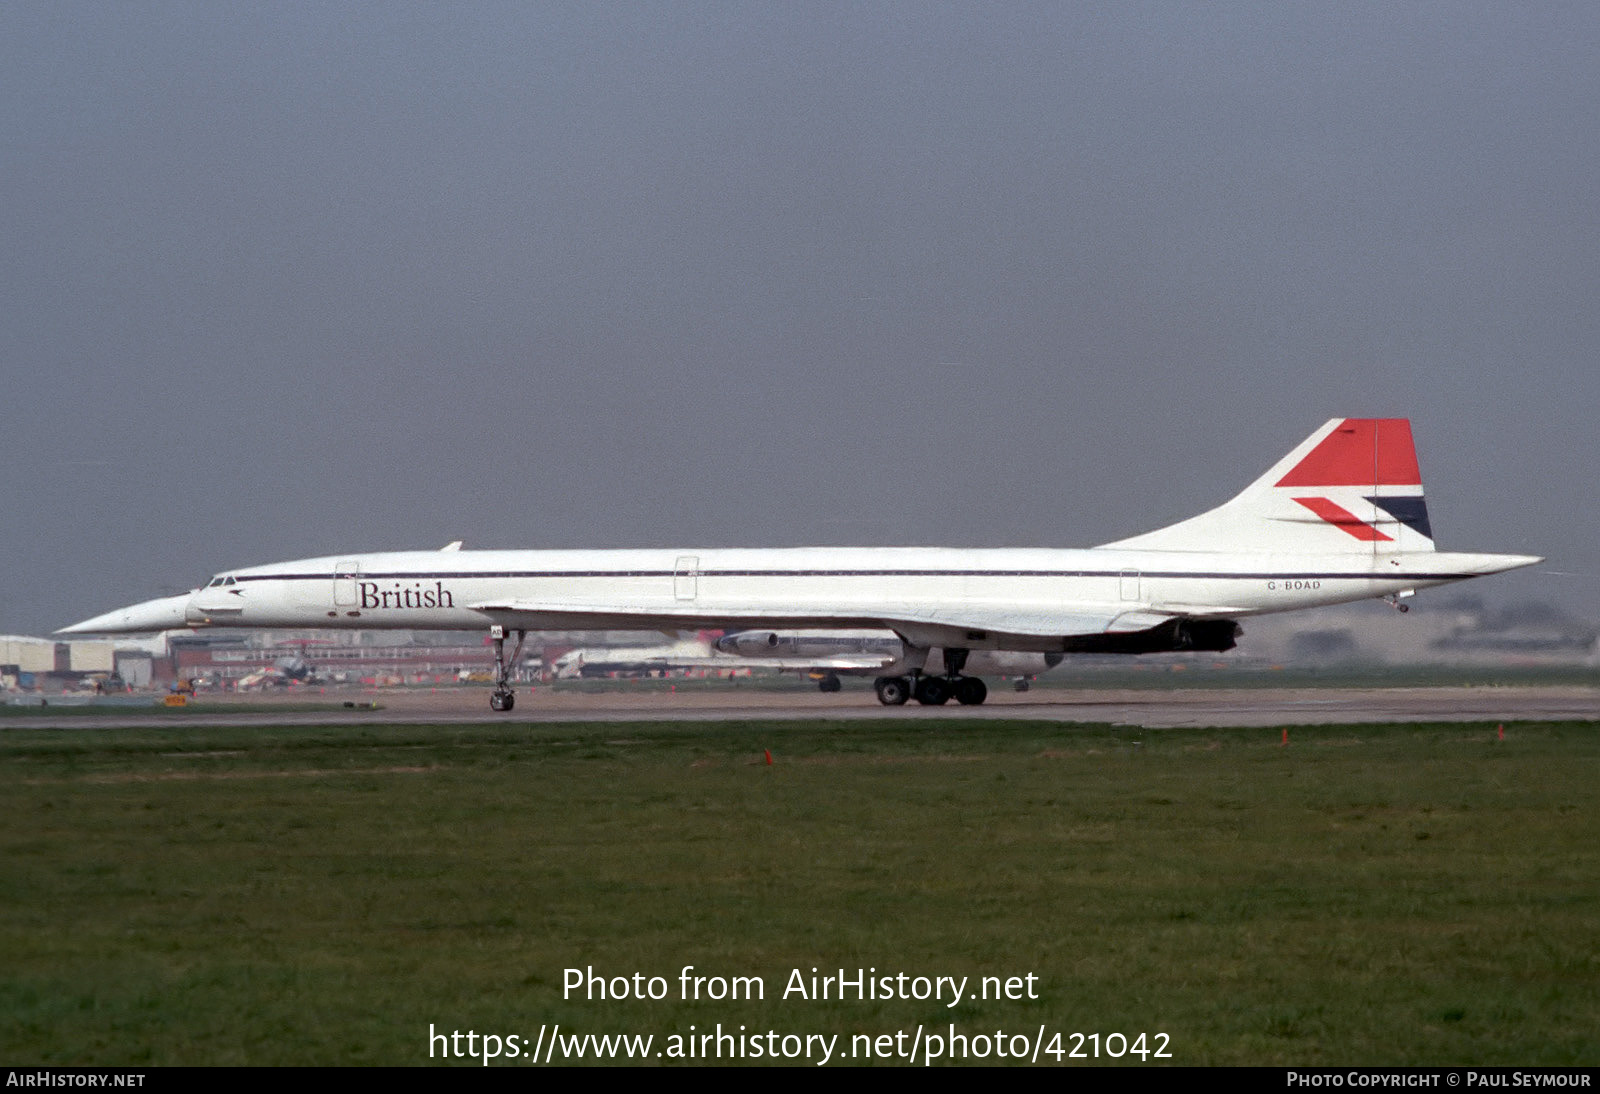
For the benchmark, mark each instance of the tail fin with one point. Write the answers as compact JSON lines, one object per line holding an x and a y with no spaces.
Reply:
{"x":1352,"y":487}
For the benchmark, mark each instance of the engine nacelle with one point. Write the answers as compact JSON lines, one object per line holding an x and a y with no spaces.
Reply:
{"x":1208,"y":635}
{"x":749,"y":643}
{"x":1175,"y":635}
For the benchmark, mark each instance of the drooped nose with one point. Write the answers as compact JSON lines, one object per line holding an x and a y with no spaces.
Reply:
{"x":163,"y":614}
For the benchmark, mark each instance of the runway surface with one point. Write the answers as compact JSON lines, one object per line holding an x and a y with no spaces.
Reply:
{"x":1152,"y":709}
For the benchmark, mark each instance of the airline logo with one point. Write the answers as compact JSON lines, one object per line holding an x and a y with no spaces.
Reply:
{"x":1343,"y":519}
{"x":417,"y":596}
{"x":1370,"y":458}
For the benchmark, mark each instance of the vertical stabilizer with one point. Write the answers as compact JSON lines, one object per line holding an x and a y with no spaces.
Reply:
{"x":1352,"y":487}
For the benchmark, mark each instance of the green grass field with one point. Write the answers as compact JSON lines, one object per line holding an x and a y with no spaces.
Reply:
{"x":1397,"y":895}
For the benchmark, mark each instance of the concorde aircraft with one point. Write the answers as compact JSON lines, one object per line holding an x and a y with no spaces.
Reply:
{"x":1340,"y":518}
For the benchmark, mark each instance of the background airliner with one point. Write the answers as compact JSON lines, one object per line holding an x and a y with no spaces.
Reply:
{"x":821,"y":653}
{"x":1340,"y":518}
{"x":827,"y":655}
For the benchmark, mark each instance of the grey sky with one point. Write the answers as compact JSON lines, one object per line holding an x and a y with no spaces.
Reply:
{"x":297,"y":279}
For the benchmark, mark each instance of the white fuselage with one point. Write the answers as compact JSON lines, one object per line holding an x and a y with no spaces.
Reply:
{"x":1341,"y":517}
{"x":996,"y":599}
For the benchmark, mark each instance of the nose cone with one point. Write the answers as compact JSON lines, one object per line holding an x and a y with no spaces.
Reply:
{"x":165,"y":614}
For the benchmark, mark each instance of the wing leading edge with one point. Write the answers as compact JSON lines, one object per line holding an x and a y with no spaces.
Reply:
{"x":985,"y":623}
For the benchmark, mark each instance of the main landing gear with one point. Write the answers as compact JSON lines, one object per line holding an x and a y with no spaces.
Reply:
{"x":969,"y":691}
{"x":503,"y":697}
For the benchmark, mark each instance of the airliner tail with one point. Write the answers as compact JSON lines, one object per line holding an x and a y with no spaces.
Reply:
{"x":1352,"y":487}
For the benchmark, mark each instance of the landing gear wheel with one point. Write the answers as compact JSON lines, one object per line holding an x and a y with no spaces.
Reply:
{"x":892,"y":691}
{"x":502,"y":701}
{"x":830,"y":683}
{"x":970,"y":691}
{"x":933,"y":691}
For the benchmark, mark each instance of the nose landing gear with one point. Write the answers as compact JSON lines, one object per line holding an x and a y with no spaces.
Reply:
{"x":503,"y":697}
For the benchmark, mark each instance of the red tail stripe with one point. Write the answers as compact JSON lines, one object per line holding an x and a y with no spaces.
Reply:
{"x":1360,"y":452}
{"x":1340,"y":517}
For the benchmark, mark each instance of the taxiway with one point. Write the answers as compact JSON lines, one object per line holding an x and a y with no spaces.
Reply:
{"x":1149,"y":709}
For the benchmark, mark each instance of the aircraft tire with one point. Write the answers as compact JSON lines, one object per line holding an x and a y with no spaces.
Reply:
{"x":502,"y":701}
{"x":892,"y":691}
{"x":971,"y":691}
{"x":933,"y":691}
{"x":830,"y":683}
